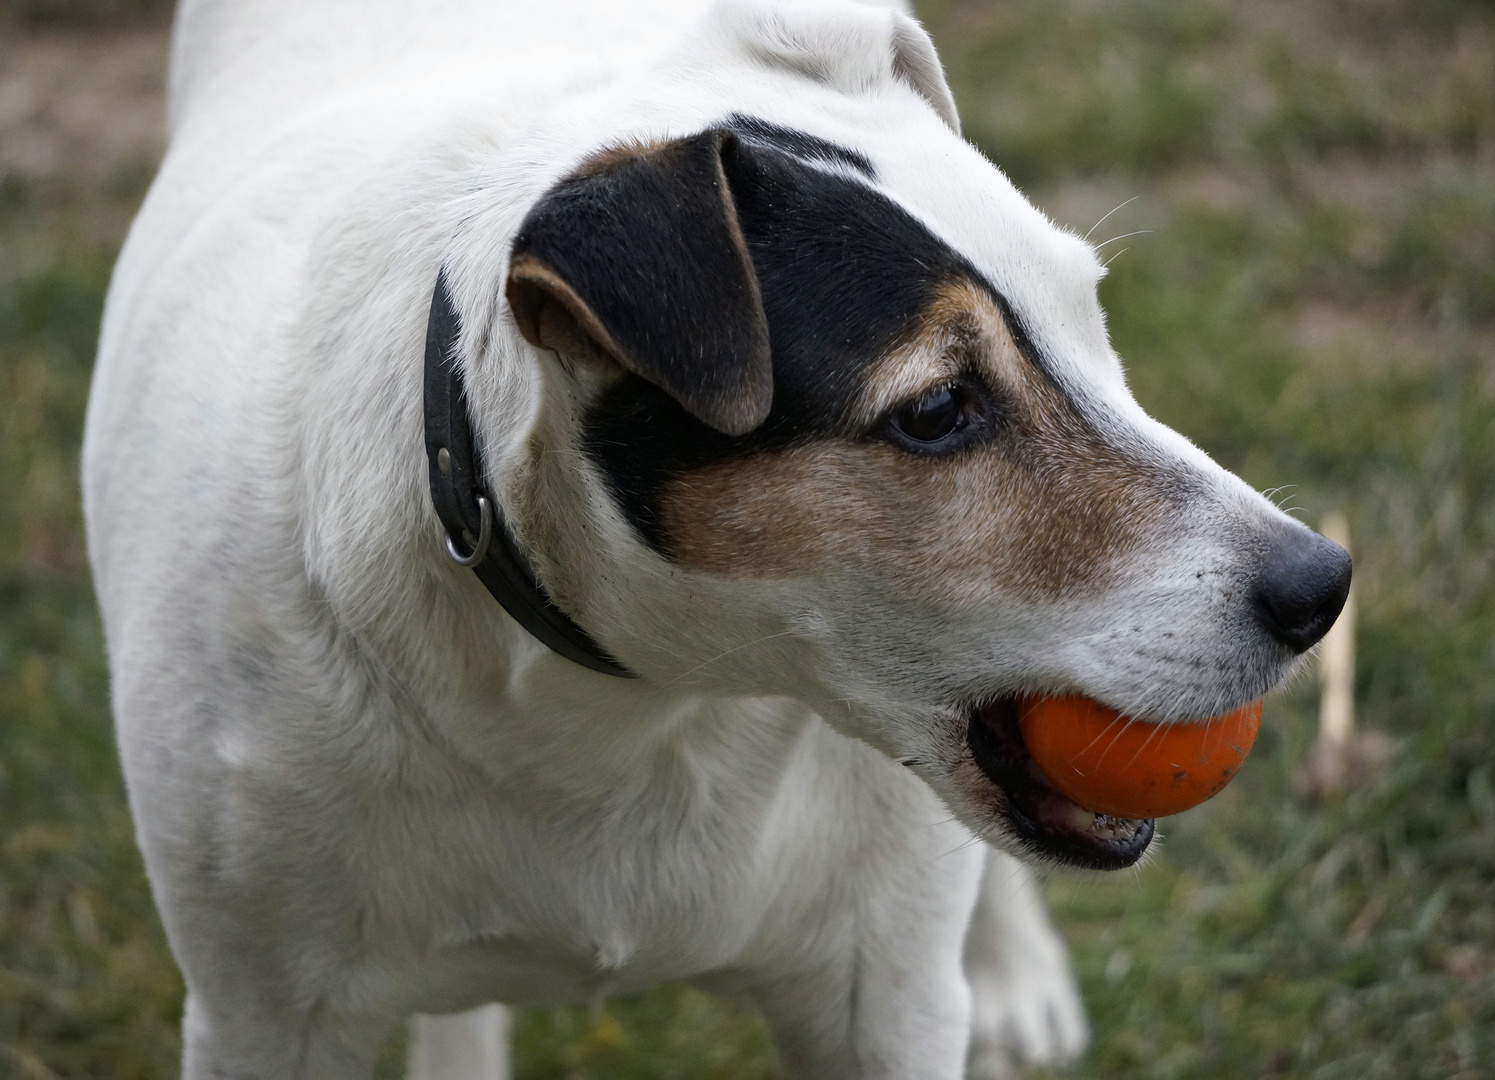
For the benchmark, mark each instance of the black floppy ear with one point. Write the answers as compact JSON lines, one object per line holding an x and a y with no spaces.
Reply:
{"x":642,"y":254}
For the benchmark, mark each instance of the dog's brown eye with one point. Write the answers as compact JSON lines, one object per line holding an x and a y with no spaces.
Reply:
{"x":935,"y":415}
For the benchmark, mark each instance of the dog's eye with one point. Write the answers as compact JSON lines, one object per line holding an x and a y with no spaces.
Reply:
{"x":934,"y":416}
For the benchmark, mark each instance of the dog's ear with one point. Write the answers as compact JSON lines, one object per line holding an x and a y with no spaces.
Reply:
{"x":850,"y":47}
{"x":640,"y":255}
{"x":918,"y":65}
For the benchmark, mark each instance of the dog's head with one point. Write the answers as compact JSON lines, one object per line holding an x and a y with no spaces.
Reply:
{"x":850,"y":430}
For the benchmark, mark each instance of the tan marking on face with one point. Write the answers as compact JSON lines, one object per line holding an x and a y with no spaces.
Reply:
{"x":957,"y":527}
{"x":960,"y":330}
{"x":1046,"y":507}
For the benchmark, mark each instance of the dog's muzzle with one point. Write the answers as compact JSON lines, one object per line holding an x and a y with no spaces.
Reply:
{"x":1048,"y":823}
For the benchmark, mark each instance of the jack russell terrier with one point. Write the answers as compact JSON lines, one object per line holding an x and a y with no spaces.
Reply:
{"x":574,"y":490}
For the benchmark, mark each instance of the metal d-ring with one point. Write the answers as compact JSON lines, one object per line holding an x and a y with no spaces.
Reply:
{"x":485,"y":534}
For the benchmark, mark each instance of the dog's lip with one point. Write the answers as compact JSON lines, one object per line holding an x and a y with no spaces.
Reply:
{"x":1049,"y":823}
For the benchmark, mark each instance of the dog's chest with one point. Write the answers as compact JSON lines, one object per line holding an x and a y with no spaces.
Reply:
{"x":570,"y":877}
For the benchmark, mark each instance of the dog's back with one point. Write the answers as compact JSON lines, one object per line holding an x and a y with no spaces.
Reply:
{"x":260,"y":59}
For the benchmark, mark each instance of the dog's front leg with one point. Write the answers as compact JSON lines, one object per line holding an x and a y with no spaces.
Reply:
{"x":242,"y":1042}
{"x":473,"y":1045}
{"x":889,"y":999}
{"x":1026,"y":1006}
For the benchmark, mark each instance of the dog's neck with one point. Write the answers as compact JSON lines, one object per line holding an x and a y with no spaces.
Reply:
{"x":477,"y":532}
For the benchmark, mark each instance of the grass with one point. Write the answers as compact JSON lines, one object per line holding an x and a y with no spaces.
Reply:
{"x":92,"y":15}
{"x":1314,"y":304}
{"x":86,"y":987}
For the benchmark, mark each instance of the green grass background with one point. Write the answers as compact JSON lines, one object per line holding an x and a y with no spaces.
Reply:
{"x":1314,"y":304}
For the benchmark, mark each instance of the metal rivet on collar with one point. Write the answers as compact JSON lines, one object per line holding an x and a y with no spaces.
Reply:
{"x":444,"y":461}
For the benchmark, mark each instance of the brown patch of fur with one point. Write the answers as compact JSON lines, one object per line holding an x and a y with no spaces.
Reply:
{"x":960,"y":330}
{"x":1046,"y":507}
{"x":613,"y":156}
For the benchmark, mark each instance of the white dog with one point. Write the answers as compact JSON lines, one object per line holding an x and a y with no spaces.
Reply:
{"x":788,"y":446}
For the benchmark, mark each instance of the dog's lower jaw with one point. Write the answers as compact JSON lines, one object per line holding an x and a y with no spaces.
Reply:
{"x":1048,"y":824}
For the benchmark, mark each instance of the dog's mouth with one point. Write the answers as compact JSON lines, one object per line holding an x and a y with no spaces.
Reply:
{"x":1049,"y":823}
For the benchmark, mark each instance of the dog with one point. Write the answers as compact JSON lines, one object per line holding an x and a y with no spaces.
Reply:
{"x":575,"y":492}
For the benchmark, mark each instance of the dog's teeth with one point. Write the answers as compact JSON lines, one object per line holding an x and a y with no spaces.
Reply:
{"x":1080,"y":818}
{"x":1114,"y":828}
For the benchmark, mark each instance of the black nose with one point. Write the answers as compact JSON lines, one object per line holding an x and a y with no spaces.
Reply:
{"x":1302,"y":587}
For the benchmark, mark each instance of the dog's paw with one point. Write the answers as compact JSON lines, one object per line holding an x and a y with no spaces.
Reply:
{"x":1025,"y":1005}
{"x":1029,"y":1014}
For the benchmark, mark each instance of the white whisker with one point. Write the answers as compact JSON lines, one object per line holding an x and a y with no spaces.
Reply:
{"x":721,"y":655}
{"x":1123,"y":236}
{"x":1113,"y":210}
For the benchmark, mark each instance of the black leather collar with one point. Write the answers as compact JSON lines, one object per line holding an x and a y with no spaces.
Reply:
{"x":476,"y":534}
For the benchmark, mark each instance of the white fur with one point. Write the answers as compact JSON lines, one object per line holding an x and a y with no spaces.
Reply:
{"x":472,"y":1045}
{"x":361,"y":791}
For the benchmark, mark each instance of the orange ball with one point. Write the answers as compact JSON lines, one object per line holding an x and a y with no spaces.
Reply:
{"x":1133,"y":768}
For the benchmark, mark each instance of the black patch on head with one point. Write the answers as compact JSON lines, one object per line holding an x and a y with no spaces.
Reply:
{"x":798,"y":144}
{"x":640,"y":254}
{"x":843,"y":273}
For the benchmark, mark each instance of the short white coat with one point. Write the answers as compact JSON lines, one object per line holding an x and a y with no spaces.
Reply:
{"x":361,"y":790}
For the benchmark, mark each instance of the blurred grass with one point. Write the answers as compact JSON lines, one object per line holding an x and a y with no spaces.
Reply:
{"x":83,"y":14}
{"x":1314,"y":304}
{"x":86,"y":987}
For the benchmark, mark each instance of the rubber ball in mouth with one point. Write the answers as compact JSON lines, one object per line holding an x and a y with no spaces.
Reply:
{"x":1113,"y":764}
